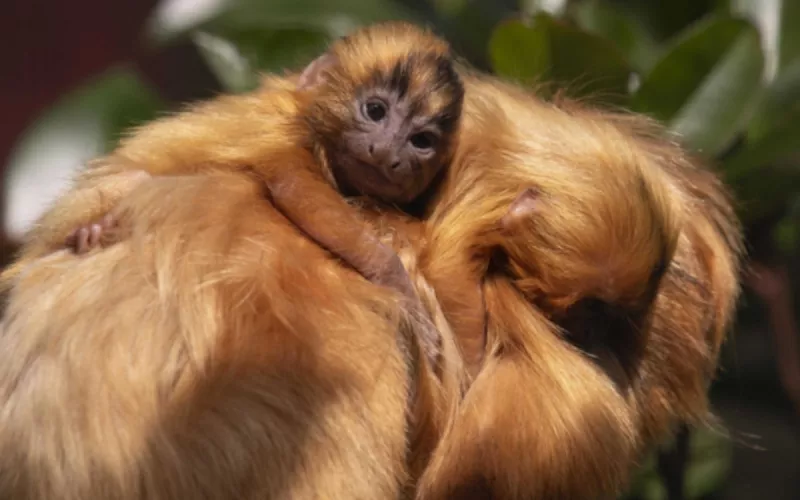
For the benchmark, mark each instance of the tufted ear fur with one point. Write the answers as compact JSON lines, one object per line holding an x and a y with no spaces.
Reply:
{"x":313,"y":74}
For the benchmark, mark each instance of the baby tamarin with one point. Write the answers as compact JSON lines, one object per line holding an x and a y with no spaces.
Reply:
{"x":376,"y":115}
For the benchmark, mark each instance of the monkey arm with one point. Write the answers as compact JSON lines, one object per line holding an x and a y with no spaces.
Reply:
{"x":311,"y":204}
{"x":318,"y":210}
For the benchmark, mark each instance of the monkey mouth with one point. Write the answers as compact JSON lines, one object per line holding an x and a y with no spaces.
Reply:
{"x":374,"y":176}
{"x":372,"y":180}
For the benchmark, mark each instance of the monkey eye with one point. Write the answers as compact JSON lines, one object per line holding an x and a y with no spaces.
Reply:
{"x":375,"y":110}
{"x":423,"y":140}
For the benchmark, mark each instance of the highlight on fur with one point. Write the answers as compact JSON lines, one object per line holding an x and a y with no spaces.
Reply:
{"x":204,"y":350}
{"x":201,"y":358}
{"x":608,"y":289}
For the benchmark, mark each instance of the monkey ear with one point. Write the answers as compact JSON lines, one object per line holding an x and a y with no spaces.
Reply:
{"x":314,"y":73}
{"x":526,"y":203}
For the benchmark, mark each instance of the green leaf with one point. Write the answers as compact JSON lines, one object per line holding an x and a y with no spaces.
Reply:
{"x":780,"y":104}
{"x":275,"y":50}
{"x":665,"y":19}
{"x":226,"y":61}
{"x":555,"y":8}
{"x":238,"y":58}
{"x":765,"y":15}
{"x":83,"y":124}
{"x":764,"y":174}
{"x":786,"y":234}
{"x":777,"y":22}
{"x":331,"y":17}
{"x":709,"y":464}
{"x":551,"y":51}
{"x":789,"y":47}
{"x":764,"y":191}
{"x":768,"y":149}
{"x":520,"y":52}
{"x":706,"y":84}
{"x":629,"y":35}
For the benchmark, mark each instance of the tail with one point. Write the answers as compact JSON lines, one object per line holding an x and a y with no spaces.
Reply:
{"x":540,"y":421}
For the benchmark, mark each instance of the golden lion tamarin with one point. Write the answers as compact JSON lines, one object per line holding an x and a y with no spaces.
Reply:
{"x":376,"y":115}
{"x":200,"y":358}
{"x":630,"y":253}
{"x":551,"y":413}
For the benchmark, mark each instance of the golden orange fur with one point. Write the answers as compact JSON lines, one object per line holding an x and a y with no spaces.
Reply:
{"x":564,"y":403}
{"x":218,"y":354}
{"x":287,"y":136}
{"x":193,"y":360}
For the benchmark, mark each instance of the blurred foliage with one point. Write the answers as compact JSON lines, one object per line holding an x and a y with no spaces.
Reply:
{"x":724,"y":75}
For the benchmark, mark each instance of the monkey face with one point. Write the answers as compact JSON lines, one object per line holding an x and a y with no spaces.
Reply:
{"x":386,"y":103}
{"x":392,"y":151}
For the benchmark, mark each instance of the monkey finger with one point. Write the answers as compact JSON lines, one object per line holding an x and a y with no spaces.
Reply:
{"x":82,"y":240}
{"x":95,"y":231}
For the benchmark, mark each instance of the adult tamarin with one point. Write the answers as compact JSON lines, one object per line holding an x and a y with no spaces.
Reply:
{"x":629,"y":252}
{"x":376,"y":115}
{"x":215,"y":354}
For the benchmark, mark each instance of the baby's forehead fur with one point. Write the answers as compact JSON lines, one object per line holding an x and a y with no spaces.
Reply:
{"x":412,"y":62}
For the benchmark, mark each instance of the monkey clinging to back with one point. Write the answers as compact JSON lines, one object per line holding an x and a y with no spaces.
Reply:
{"x":376,"y":115}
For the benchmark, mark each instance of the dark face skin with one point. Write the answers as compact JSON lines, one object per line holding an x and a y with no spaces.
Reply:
{"x":391,"y":152}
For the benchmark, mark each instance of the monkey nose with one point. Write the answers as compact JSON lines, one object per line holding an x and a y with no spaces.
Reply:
{"x":381,"y":154}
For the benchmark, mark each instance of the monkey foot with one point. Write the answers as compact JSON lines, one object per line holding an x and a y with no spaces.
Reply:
{"x":90,"y":236}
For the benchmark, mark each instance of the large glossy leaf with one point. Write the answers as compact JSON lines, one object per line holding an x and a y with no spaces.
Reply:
{"x":766,"y":16}
{"x":275,"y":50}
{"x":664,"y":19}
{"x":520,"y":52}
{"x":233,"y":70}
{"x":237,"y":59}
{"x":617,"y":25}
{"x":547,"y":50}
{"x":83,"y":124}
{"x":705,"y":85}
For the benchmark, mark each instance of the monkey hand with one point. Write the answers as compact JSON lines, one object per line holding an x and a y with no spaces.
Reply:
{"x":92,"y":235}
